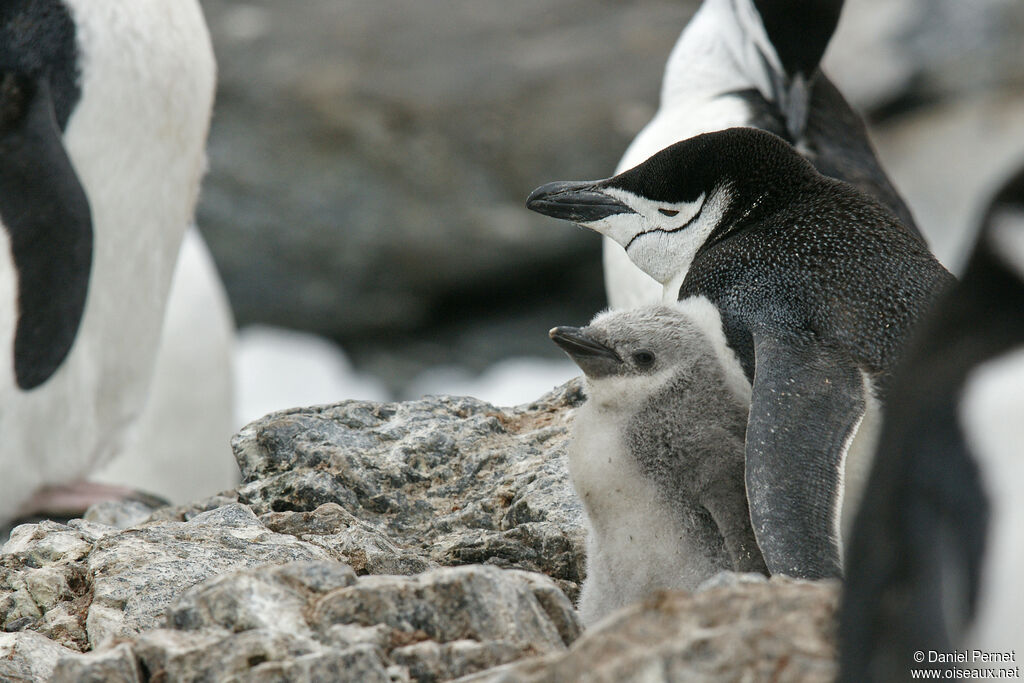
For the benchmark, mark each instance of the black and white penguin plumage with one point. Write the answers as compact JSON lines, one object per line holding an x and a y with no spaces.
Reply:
{"x":754,"y":63}
{"x":104,"y":111}
{"x":938,"y":547}
{"x":657,"y":453}
{"x":818,"y":286}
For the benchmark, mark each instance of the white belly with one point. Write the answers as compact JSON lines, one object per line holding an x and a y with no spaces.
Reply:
{"x":635,"y":544}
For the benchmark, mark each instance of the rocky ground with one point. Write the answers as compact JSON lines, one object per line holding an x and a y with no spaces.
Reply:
{"x":420,"y":541}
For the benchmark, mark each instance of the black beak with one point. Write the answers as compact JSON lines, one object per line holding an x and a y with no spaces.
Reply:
{"x":579,"y":202}
{"x":579,"y":346}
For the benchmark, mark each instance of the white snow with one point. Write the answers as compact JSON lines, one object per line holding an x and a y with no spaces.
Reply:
{"x":276,"y":368}
{"x":507,"y":383}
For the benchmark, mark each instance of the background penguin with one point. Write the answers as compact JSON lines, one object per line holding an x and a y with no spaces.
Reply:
{"x":817,"y":284}
{"x":754,"y":63}
{"x":657,"y":453}
{"x":104,"y":110}
{"x":179,"y":447}
{"x":936,"y":555}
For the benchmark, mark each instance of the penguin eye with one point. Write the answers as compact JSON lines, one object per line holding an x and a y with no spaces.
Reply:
{"x":644,"y":359}
{"x":668,"y":212}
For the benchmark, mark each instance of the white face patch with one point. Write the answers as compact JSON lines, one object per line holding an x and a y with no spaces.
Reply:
{"x":662,"y":238}
{"x":650,"y":215}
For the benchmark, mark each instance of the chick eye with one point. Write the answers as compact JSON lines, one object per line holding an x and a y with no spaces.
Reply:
{"x":668,"y":212}
{"x":643,"y":358}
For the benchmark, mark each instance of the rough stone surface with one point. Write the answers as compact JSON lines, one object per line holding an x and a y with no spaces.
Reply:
{"x":423,"y":541}
{"x":28,"y":657}
{"x":477,"y":603}
{"x":120,"y":514}
{"x":778,"y":630}
{"x":138,"y":572}
{"x":111,"y":665}
{"x":450,"y":480}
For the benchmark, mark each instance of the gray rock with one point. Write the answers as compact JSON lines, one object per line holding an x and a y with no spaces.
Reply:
{"x":448,"y":480}
{"x":112,"y":665}
{"x":219,"y":590}
{"x":253,"y":655}
{"x":270,"y":598}
{"x":476,"y":603}
{"x":729,"y":579}
{"x":358,"y":544}
{"x":28,"y":657}
{"x":431,"y":661}
{"x":119,"y":514}
{"x":779,"y":630}
{"x":44,"y":584}
{"x":138,"y":572}
{"x":36,"y":545}
{"x":308,"y":621}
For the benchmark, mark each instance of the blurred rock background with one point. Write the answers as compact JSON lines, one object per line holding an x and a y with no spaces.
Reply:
{"x":369,"y":159}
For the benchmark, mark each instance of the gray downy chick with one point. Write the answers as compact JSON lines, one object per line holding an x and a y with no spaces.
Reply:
{"x":657,"y":453}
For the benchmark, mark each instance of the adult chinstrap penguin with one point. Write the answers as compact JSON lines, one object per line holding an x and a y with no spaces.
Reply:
{"x":936,"y":554}
{"x":817,"y":284}
{"x":104,"y":110}
{"x":657,"y":453}
{"x":754,"y":63}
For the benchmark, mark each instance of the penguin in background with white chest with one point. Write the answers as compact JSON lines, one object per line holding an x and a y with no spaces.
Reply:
{"x":656,"y":454}
{"x":754,"y":63}
{"x":104,"y":112}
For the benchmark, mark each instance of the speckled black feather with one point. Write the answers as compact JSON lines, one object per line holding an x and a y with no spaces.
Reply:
{"x":796,"y":253}
{"x":835,"y":141}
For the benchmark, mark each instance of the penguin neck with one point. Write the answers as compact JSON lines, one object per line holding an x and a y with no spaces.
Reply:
{"x":624,"y":394}
{"x":723,"y":49}
{"x":731,"y":46}
{"x":770,"y":188}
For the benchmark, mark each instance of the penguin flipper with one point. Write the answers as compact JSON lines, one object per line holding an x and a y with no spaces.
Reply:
{"x":47,"y":218}
{"x":806,"y":403}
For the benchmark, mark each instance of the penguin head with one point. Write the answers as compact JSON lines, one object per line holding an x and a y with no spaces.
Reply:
{"x":643,"y":342}
{"x":663,"y":210}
